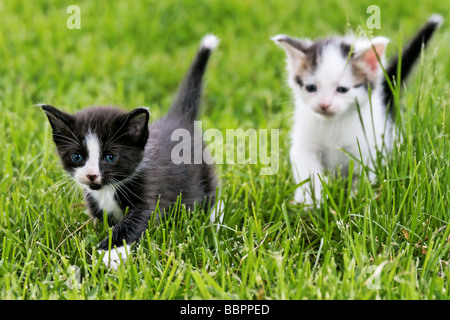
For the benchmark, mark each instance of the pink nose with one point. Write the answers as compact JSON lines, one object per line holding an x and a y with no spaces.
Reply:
{"x":324,"y":106}
{"x":92,"y":177}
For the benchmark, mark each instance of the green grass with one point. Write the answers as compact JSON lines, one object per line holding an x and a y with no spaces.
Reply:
{"x":135,"y":55}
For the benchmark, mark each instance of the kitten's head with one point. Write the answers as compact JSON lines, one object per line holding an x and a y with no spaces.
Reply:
{"x":329,"y":75}
{"x":99,"y":146}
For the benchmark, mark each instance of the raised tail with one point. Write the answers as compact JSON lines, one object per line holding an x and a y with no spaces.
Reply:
{"x":186,"y":103}
{"x":410,"y":54}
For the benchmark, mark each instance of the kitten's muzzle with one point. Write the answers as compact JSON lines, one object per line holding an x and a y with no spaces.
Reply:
{"x":324,"y":110}
{"x":95,"y":181}
{"x":95,"y":186}
{"x":92,"y":177}
{"x":324,"y":106}
{"x":92,"y":181}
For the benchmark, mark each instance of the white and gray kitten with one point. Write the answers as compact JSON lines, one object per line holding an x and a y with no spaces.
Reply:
{"x":343,"y":103}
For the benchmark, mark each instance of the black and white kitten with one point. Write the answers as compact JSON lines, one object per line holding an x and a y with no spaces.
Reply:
{"x":342,"y":101}
{"x":122,"y":163}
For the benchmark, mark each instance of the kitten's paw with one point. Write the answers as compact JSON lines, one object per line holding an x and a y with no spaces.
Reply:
{"x":112,"y":258}
{"x":303,"y":196}
{"x":372,"y":177}
{"x":217,"y":214}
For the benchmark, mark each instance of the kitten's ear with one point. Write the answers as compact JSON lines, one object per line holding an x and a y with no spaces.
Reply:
{"x":136,"y":125}
{"x":294,"y":49}
{"x":59,"y":120}
{"x":370,"y":54}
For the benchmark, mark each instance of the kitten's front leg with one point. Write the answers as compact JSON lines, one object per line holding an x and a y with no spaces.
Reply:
{"x":128,"y":230}
{"x":306,"y":164}
{"x":372,"y":175}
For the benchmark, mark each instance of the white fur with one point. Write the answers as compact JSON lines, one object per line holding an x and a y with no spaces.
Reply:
{"x":91,"y":166}
{"x":361,"y":44}
{"x":280,"y":37}
{"x":217,"y":213}
{"x":105,"y":196}
{"x":437,"y":19}
{"x":210,"y":42}
{"x":317,"y":139}
{"x":106,"y":201}
{"x":112,"y":258}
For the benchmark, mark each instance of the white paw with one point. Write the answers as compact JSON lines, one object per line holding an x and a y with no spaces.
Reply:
{"x":303,"y":196}
{"x":372,"y":177}
{"x":217,"y":214}
{"x":112,"y":258}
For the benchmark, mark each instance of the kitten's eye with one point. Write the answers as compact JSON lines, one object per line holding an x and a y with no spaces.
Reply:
{"x":311,"y":88}
{"x":110,"y":158}
{"x":76,"y":157}
{"x":342,"y":89}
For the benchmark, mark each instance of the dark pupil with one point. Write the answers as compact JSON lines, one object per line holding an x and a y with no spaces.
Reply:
{"x":342,"y":89}
{"x":76,"y":157}
{"x":311,"y":88}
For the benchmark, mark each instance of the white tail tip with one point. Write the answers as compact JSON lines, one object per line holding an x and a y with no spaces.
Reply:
{"x":437,"y":19}
{"x":210,"y":42}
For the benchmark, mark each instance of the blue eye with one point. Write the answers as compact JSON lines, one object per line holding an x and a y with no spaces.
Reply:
{"x":76,"y":157}
{"x":342,"y":89}
{"x":110,"y":158}
{"x":311,"y":88}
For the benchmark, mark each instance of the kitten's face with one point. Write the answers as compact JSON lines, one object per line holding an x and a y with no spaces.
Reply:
{"x":99,"y":146}
{"x":330,"y":75}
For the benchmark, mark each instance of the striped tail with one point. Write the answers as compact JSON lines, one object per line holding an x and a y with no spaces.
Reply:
{"x":186,"y":103}
{"x":410,"y":54}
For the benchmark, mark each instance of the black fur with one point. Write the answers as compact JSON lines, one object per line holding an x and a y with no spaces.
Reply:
{"x":148,"y":177}
{"x":410,"y":54}
{"x":188,"y":97}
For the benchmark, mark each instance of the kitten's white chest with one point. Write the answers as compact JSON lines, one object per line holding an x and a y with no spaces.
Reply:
{"x":107,"y":202}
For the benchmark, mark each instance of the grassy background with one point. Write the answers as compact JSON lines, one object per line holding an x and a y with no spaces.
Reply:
{"x":135,"y":55}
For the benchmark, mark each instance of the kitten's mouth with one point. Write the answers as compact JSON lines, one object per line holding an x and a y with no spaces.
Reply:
{"x":95,"y":186}
{"x":325,"y":113}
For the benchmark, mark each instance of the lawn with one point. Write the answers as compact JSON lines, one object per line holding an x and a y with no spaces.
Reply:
{"x":384,"y":241}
